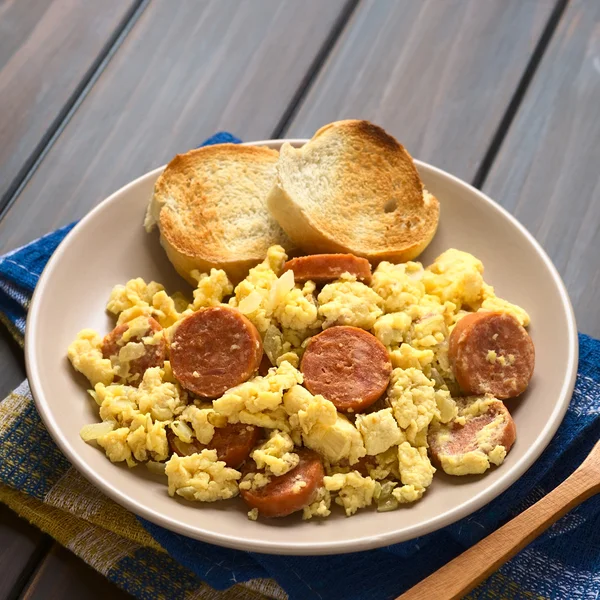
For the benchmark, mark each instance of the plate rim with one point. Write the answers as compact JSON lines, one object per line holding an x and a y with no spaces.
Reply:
{"x":307,"y":548}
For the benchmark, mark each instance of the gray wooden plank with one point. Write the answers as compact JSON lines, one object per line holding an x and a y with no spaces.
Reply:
{"x":20,"y":546}
{"x":46,"y":48}
{"x":547,"y":172}
{"x":63,"y":576}
{"x":437,"y":75}
{"x":185,"y":70}
{"x":12,"y":365}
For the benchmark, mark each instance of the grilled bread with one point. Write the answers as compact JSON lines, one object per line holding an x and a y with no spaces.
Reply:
{"x":210,"y":207}
{"x":354,"y":189}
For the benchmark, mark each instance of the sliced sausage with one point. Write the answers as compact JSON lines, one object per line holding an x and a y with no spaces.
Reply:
{"x":491,"y":353}
{"x":288,"y":493}
{"x":456,"y":440}
{"x":323,"y":268}
{"x":233,"y":443}
{"x":348,"y":366}
{"x":154,"y":354}
{"x":215,"y":349}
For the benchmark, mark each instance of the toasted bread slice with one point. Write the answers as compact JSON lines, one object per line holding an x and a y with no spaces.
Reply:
{"x":210,"y":207}
{"x":353,"y":188}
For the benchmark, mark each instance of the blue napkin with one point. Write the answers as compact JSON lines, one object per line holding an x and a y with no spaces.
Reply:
{"x":562,"y":563}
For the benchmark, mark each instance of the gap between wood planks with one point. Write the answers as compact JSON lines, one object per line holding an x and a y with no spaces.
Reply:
{"x":519,"y":94}
{"x":32,"y":566}
{"x":71,"y":106}
{"x":60,"y":122}
{"x":314,"y":69}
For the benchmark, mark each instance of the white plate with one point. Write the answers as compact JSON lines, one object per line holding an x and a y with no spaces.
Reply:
{"x":109,"y":246}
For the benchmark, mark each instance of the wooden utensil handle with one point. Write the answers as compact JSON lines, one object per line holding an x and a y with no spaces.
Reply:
{"x":469,"y":569}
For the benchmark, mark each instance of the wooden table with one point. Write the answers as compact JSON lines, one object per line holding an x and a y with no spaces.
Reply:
{"x":502,"y":93}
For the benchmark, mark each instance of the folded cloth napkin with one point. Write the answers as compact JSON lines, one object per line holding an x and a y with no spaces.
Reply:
{"x":151,"y":562}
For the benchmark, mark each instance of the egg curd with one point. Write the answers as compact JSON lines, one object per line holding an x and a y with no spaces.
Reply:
{"x":378,"y":458}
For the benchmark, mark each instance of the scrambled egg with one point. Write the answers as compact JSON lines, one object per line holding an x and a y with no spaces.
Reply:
{"x":416,"y":470}
{"x":349,"y":302}
{"x":410,"y":309}
{"x":320,"y":506}
{"x":259,"y":293}
{"x":254,"y":481}
{"x":416,"y":402}
{"x":387,"y":465}
{"x":142,"y":440}
{"x":492,"y":303}
{"x":353,"y":490}
{"x":393,"y":328}
{"x":379,"y":430}
{"x":275,"y":455}
{"x":406,"y":357}
{"x":203,"y":422}
{"x":400,"y":286}
{"x":298,"y":310}
{"x":86,"y":357}
{"x":158,"y":396}
{"x":258,"y":401}
{"x":456,"y":277}
{"x":201,"y":477}
{"x":322,"y":428}
{"x":283,"y":312}
{"x":137,"y":298}
{"x":136,"y":292}
{"x":485,"y":450}
{"x":211,"y":289}
{"x":139,"y":416}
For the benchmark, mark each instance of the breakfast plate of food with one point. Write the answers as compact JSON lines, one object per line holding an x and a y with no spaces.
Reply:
{"x":258,"y":341}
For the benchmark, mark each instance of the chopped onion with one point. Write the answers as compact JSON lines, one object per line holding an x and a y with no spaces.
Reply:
{"x":281,"y":288}
{"x":94,"y":395}
{"x":182,"y":431}
{"x":131,"y":351}
{"x":96,"y":430}
{"x":250,"y":303}
{"x":273,"y":343}
{"x":385,"y":499}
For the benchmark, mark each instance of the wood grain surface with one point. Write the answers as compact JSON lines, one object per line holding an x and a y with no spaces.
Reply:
{"x":46,"y":49}
{"x":181,"y":75}
{"x":547,"y":172}
{"x":185,"y":71}
{"x":63,"y":575}
{"x":437,"y":75}
{"x":20,"y":546}
{"x":12,"y":364}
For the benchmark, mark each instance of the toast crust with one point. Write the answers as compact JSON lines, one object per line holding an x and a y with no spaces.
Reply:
{"x":353,"y":189}
{"x":210,"y":207}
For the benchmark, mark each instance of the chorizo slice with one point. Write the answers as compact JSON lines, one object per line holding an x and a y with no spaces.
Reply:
{"x":233,"y":443}
{"x":469,"y":445}
{"x":215,"y":349}
{"x":348,"y":366}
{"x":323,"y":268}
{"x":154,"y":354}
{"x":491,"y":353}
{"x":291,"y":492}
